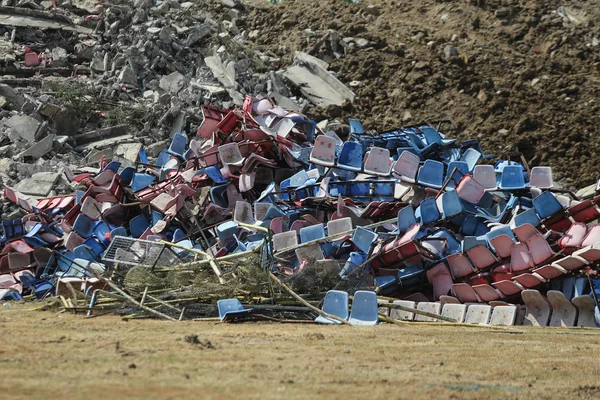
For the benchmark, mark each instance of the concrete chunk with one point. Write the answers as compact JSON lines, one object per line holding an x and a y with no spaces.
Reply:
{"x":39,"y":184}
{"x":172,"y":83}
{"x":197,"y":34}
{"x":39,"y":149}
{"x":22,"y":127}
{"x":129,"y":151}
{"x":318,"y":85}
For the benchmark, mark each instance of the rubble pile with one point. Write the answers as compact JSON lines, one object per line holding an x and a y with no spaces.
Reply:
{"x":157,"y":164}
{"x":83,"y":80}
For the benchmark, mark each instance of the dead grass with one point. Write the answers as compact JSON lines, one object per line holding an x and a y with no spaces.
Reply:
{"x":44,"y":355}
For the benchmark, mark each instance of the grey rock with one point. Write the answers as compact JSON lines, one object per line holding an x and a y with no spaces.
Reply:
{"x":198,"y":33}
{"x":40,"y":184}
{"x":127,"y":76}
{"x":502,"y":13}
{"x":172,"y":83}
{"x":39,"y":149}
{"x":450,"y":51}
{"x":12,"y":96}
{"x":22,"y":127}
{"x":59,"y":57}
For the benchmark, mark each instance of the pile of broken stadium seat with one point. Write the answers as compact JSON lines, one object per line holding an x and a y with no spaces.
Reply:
{"x":430,"y":219}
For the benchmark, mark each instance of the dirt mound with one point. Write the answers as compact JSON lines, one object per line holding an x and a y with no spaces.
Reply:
{"x":517,"y":75}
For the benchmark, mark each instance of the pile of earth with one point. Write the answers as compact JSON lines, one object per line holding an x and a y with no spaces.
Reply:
{"x":519,"y":76}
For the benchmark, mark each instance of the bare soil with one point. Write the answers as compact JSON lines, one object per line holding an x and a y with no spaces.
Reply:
{"x":524,"y":79}
{"x":45,"y":355}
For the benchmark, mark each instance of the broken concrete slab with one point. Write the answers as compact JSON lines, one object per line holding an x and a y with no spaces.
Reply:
{"x":39,"y":149}
{"x":39,"y":184}
{"x":13,"y":97}
{"x":26,"y":18}
{"x":95,"y":156}
{"x":301,"y":57}
{"x":64,"y":120}
{"x":101,"y":134}
{"x":129,"y":151}
{"x":104,"y":143}
{"x":319,"y":85}
{"x":127,"y":76}
{"x":172,"y":83}
{"x":198,"y":33}
{"x":224,"y":73}
{"x":22,"y":127}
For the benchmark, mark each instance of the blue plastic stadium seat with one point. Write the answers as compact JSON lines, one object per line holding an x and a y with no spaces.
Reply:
{"x":178,"y":144}
{"x":230,"y":309}
{"x":138,"y":226}
{"x":363,"y":239}
{"x":335,"y":303}
{"x":451,"y":205}
{"x":462,"y":169}
{"x":427,"y":212}
{"x":351,"y":156}
{"x":546,"y":205}
{"x":364,"y":308}
{"x":431,"y":174}
{"x":512,"y":178}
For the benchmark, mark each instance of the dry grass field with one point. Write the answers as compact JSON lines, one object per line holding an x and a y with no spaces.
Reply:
{"x":45,"y":355}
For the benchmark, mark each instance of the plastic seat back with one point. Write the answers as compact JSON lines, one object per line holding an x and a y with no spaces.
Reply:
{"x":520,"y":259}
{"x":593,"y":236}
{"x":112,"y":166}
{"x":323,"y":152}
{"x":351,"y":156}
{"x":574,"y":236}
{"x":335,"y":303}
{"x":406,"y":167}
{"x":527,"y":217}
{"x":363,"y":239}
{"x":230,"y":307}
{"x":138,"y":225}
{"x":84,"y":226}
{"x":546,"y":205}
{"x":364,"y":308}
{"x":471,"y":157}
{"x":459,"y":265}
{"x":464,"y":293}
{"x":539,"y":249}
{"x":356,"y":127}
{"x":470,"y":190}
{"x":178,"y":144}
{"x":502,"y":245}
{"x":406,"y":218}
{"x":378,"y":161}
{"x":541,"y":178}
{"x":469,"y":242}
{"x":481,"y":257}
{"x":431,"y":174}
{"x":451,"y":205}
{"x":141,"y":181}
{"x":462,"y":169}
{"x":512,"y":178}
{"x":284,"y":240}
{"x":120,"y":231}
{"x":243,"y":213}
{"x":439,"y":277}
{"x":427,"y":212}
{"x":486,"y":176}
{"x":339,"y":226}
{"x":313,"y":232}
{"x":127,"y":175}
